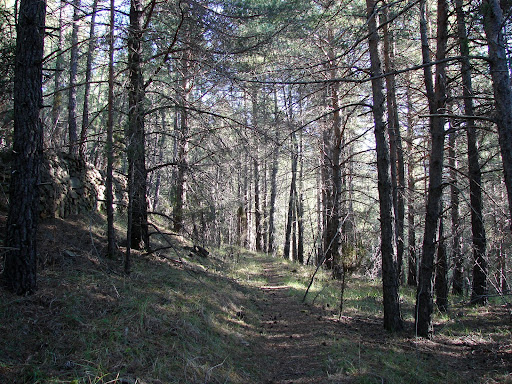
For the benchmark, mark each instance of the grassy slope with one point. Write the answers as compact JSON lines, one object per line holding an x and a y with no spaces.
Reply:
{"x":166,"y":323}
{"x":199,"y":322}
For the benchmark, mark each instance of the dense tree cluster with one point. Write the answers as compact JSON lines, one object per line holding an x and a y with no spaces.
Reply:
{"x":355,"y":135}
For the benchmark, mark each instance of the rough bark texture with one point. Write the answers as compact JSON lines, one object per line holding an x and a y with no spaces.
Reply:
{"x":182,"y":148}
{"x":392,"y":318}
{"x":475,"y":187}
{"x":139,"y":238}
{"x":395,"y":144}
{"x":87,"y":86}
{"x":55,"y":132}
{"x":457,"y":259}
{"x":424,"y":299}
{"x":273,"y":195}
{"x":256,"y":164}
{"x":332,"y":240}
{"x":441,"y":282}
{"x":73,"y":68}
{"x":411,"y":186}
{"x":300,"y":206}
{"x":21,"y":254}
{"x":493,"y":24}
{"x":291,"y":204}
{"x":109,"y":193}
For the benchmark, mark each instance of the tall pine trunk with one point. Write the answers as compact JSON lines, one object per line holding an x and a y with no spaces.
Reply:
{"x":139,"y":237}
{"x":441,"y":281}
{"x":87,"y":85}
{"x":56,"y":113}
{"x":111,"y":240}
{"x":287,"y":253}
{"x":273,"y":186}
{"x":73,"y":68}
{"x":182,"y":143}
{"x":395,"y":143}
{"x":457,"y":259}
{"x":412,"y":274}
{"x":21,"y":251}
{"x":390,"y":283}
{"x":300,"y":204}
{"x":256,"y":165}
{"x":493,"y":26}
{"x":475,"y":178}
{"x":424,"y":296}
{"x":333,"y":223}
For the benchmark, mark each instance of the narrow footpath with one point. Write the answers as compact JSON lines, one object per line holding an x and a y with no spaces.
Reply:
{"x":297,"y":337}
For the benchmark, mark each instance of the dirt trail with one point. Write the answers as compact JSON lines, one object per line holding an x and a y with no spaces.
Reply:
{"x":301,"y":344}
{"x":296,"y":336}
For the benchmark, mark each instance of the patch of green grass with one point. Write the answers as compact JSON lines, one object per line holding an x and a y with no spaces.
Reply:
{"x":165,"y":322}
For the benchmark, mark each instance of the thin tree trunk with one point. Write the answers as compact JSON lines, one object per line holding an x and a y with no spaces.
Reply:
{"x":291,"y":203}
{"x":161,"y":146}
{"x":390,"y":283}
{"x":327,"y":196}
{"x":273,"y":195}
{"x":411,"y":182}
{"x":111,"y":240}
{"x":475,"y":183}
{"x":56,"y":132}
{"x":493,"y":26}
{"x":21,"y":254}
{"x":139,"y":237}
{"x":245,"y":206}
{"x":256,"y":165}
{"x":424,"y":298}
{"x":88,"y":75}
{"x":183,"y":141}
{"x":332,"y":251}
{"x":395,"y":146}
{"x":300,"y":205}
{"x":320,"y":210}
{"x":73,"y":68}
{"x":441,"y":281}
{"x":457,"y":259}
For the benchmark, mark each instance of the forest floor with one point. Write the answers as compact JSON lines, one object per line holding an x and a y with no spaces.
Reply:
{"x":233,"y":317}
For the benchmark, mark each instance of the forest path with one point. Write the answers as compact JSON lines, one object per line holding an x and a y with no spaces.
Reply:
{"x":296,"y":336}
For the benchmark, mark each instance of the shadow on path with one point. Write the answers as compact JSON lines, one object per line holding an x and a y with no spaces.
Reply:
{"x":296,"y":335}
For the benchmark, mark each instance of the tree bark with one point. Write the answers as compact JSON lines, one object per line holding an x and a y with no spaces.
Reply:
{"x":109,"y":149}
{"x":493,"y":24}
{"x":458,"y":261}
{"x":411,"y":182}
{"x":273,"y":185}
{"x":390,"y":283}
{"x":441,"y":281}
{"x":56,"y":132}
{"x":333,"y":224}
{"x":182,"y":143}
{"x":21,"y":254}
{"x":87,"y":85}
{"x":291,"y":202}
{"x":475,"y":179}
{"x":73,"y":68}
{"x":256,"y":165}
{"x":300,"y":205}
{"x":424,"y":297}
{"x":395,"y":144}
{"x":139,"y":237}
